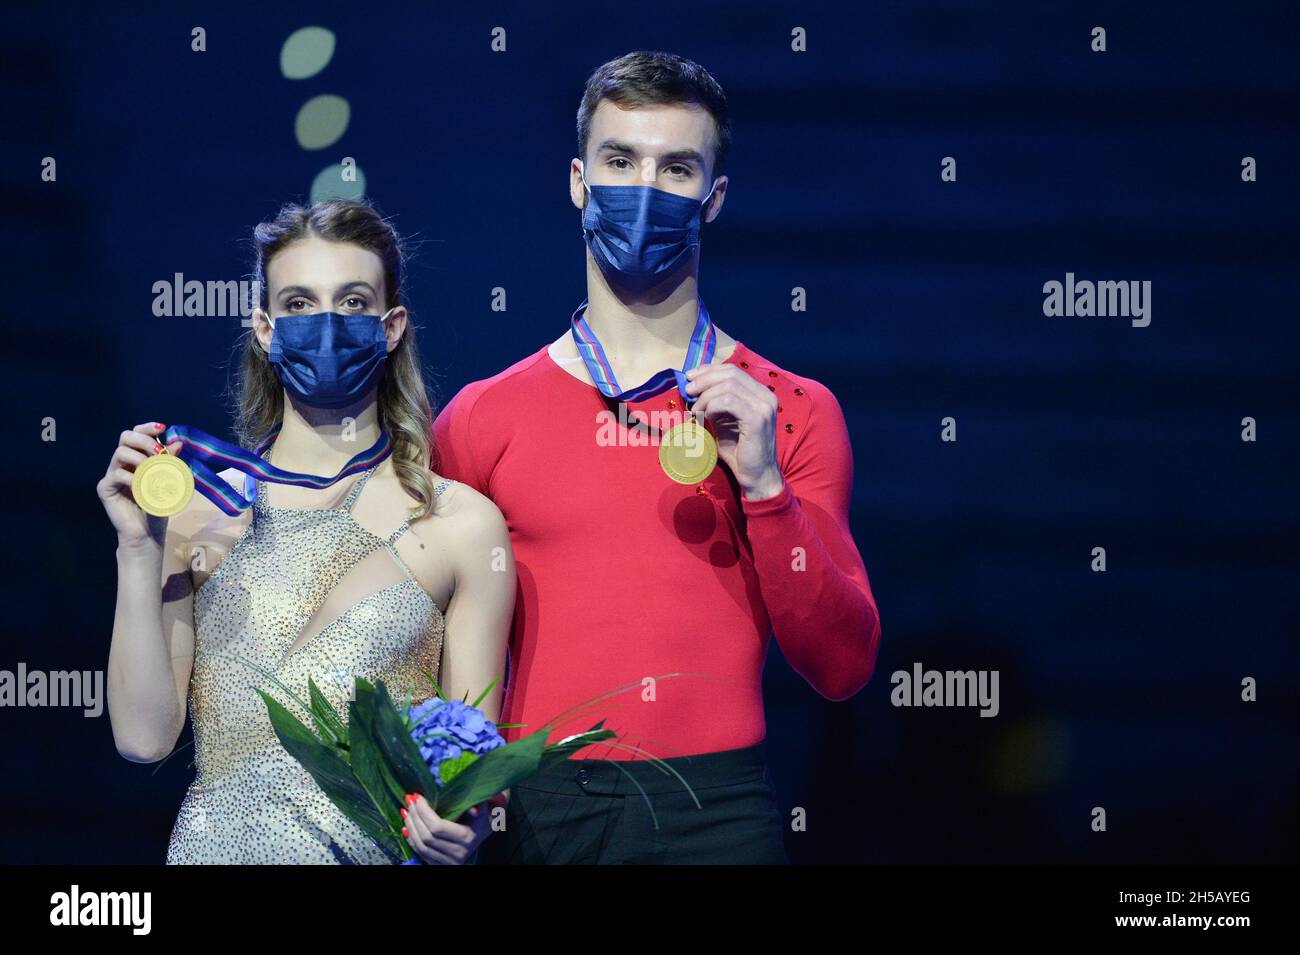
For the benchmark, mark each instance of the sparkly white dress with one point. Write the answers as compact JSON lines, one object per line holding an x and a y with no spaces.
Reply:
{"x":302,"y":593}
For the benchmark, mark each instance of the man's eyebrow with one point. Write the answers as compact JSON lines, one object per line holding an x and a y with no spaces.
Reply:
{"x":614,"y":146}
{"x":677,"y":155}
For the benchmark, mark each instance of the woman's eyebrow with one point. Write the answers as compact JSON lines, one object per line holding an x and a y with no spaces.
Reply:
{"x":289,"y":291}
{"x":358,"y":284}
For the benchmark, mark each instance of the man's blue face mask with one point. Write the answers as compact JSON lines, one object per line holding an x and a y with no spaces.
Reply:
{"x":639,"y":235}
{"x":330,"y":359}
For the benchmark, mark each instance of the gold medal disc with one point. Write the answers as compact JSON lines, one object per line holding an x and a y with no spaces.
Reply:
{"x":163,"y":485}
{"x":687,"y":452}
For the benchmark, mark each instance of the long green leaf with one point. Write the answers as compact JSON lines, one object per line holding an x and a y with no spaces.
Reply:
{"x":559,"y":752}
{"x":331,"y":773}
{"x":485,"y":692}
{"x":495,"y":770}
{"x":394,"y":741}
{"x":331,"y":727}
{"x":367,"y":762}
{"x":396,"y":791}
{"x":437,"y":690}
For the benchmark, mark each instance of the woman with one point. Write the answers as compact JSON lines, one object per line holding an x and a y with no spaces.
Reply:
{"x":331,"y":584}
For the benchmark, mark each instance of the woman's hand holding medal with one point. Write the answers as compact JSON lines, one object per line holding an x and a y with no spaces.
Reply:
{"x":128,"y":477}
{"x":743,"y":413}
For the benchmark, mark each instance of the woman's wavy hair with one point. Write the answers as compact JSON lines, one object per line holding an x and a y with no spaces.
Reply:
{"x":404,"y":408}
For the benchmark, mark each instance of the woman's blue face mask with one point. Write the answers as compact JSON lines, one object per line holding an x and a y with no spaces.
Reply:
{"x":329,"y":360}
{"x":639,"y":235}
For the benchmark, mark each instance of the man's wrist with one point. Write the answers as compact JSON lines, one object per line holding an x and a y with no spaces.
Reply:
{"x":770,"y":486}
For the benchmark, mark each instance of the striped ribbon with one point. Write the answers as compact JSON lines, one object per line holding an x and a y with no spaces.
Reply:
{"x":199,"y":450}
{"x":700,"y":352}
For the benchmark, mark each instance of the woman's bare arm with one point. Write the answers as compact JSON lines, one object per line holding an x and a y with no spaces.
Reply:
{"x":472,"y":540}
{"x":478,"y":616}
{"x":152,"y":648}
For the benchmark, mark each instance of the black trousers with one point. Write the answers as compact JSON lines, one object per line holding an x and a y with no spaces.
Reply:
{"x":586,"y":811}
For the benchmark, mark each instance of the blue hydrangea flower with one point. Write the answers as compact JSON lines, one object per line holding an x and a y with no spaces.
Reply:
{"x":466,"y":730}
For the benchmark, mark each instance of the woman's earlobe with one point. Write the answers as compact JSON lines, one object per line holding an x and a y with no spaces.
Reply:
{"x":262,"y":319}
{"x":395,"y":326}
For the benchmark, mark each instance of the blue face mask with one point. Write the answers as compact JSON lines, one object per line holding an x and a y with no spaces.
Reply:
{"x":329,"y":360}
{"x":639,"y":235}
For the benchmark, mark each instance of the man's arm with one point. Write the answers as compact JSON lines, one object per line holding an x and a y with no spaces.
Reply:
{"x":810,"y":573}
{"x":453,"y":447}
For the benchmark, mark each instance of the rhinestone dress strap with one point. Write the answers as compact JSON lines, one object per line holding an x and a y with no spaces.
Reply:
{"x":356,"y":488}
{"x":401,"y":528}
{"x":259,"y":486}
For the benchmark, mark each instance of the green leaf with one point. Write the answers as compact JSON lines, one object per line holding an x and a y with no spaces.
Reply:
{"x":396,"y":791}
{"x":493,"y":771}
{"x":405,"y":708}
{"x":437,"y":690}
{"x":394,"y":741}
{"x":332,"y":774}
{"x":559,"y":752}
{"x":368,"y":763}
{"x":485,"y":692}
{"x":449,"y":769}
{"x":331,"y":727}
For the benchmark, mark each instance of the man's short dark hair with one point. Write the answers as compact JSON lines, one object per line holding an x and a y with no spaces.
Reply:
{"x":654,"y":78}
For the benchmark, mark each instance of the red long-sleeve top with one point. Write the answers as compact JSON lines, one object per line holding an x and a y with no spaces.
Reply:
{"x":624,"y":574}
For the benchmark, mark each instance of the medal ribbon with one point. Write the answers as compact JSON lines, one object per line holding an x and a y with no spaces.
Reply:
{"x":199,"y":450}
{"x":700,"y":352}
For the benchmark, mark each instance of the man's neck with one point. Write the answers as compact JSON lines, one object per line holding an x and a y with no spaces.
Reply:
{"x":317,"y":441}
{"x":641,"y":337}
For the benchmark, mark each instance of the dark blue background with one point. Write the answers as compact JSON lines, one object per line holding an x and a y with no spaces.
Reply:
{"x":1118,"y":690}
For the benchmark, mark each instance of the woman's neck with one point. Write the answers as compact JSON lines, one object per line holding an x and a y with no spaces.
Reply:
{"x":320,"y":441}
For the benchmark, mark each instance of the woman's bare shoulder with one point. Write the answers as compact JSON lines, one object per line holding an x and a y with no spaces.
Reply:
{"x":465,"y":530}
{"x":462,"y":511}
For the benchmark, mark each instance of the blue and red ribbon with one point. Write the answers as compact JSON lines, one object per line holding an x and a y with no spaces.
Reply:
{"x":200,"y":450}
{"x":704,"y":340}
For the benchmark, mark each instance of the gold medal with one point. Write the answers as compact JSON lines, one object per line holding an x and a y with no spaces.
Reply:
{"x":687,"y":452}
{"x":163,"y":485}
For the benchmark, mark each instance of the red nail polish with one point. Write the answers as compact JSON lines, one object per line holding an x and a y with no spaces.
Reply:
{"x":405,"y":833}
{"x":403,"y":812}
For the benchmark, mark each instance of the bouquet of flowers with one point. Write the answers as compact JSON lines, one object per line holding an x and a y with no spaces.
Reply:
{"x":446,"y":750}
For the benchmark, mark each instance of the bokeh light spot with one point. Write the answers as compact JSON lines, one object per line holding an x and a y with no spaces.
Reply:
{"x":330,"y":184}
{"x":322,"y":121}
{"x":306,"y":52}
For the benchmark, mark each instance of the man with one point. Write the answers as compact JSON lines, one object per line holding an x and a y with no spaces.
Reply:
{"x":639,"y":562}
